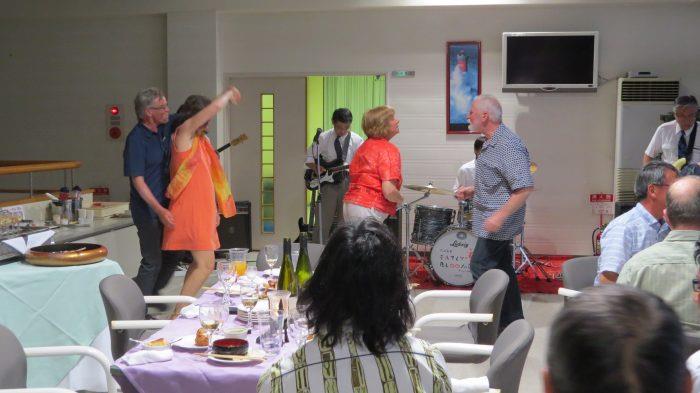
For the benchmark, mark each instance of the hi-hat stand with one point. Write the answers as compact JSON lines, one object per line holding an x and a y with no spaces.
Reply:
{"x":527,"y":260}
{"x":406,"y":213}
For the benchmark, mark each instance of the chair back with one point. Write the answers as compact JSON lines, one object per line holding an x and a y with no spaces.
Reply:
{"x":579,"y":273}
{"x":123,"y":301}
{"x":487,"y":297}
{"x":508,"y":356}
{"x":315,"y":251}
{"x":13,"y":362}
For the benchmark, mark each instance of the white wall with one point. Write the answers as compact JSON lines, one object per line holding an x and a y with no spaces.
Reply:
{"x":570,"y":135}
{"x":57,"y":78}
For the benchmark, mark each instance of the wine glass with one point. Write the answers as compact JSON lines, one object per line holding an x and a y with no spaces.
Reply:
{"x":298,"y":328}
{"x":249,"y":298}
{"x":211,"y":316}
{"x":227,"y":276}
{"x":272,"y":254}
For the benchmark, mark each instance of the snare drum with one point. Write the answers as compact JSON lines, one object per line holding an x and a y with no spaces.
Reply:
{"x":429,"y":221}
{"x":450,"y":258}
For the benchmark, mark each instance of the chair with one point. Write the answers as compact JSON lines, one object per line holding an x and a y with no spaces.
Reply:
{"x":579,"y":273}
{"x":126,"y":311}
{"x":485,"y":302}
{"x":315,"y":251}
{"x":507,"y":355}
{"x":13,"y":362}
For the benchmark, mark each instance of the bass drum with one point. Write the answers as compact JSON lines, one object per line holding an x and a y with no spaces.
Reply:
{"x":451,"y":256}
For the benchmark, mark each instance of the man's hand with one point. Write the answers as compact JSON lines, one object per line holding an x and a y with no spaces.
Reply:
{"x":463,"y":193}
{"x":167,"y":218}
{"x":494,"y":223}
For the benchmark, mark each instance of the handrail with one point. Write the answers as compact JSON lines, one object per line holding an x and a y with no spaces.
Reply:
{"x":11,"y":167}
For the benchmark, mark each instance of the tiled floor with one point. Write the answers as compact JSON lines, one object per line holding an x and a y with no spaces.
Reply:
{"x":539,"y":311}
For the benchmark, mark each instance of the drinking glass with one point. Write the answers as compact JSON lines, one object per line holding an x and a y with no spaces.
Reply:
{"x":272,"y":254}
{"x":212,"y":316}
{"x":238,"y":257}
{"x":227,"y":276}
{"x":298,"y":328}
{"x":279,"y":308}
{"x":249,"y":298}
{"x":270,"y":334}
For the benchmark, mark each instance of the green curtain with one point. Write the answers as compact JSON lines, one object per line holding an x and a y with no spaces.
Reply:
{"x":357,"y":93}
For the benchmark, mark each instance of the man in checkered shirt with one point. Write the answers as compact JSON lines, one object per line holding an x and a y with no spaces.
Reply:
{"x":502,"y":184}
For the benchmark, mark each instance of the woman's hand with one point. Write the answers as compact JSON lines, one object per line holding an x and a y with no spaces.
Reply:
{"x":235,"y":95}
{"x":167,"y":218}
{"x":217,"y":219}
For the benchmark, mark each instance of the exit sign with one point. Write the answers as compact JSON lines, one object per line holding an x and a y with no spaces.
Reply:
{"x":403,"y":74}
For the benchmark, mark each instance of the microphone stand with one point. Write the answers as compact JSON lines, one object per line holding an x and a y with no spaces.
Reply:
{"x":319,"y":198}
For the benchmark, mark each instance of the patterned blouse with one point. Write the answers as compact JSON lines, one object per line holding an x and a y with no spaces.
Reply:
{"x":411,"y":365}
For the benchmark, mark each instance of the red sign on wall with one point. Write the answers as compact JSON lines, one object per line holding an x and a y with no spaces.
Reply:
{"x":601,"y":198}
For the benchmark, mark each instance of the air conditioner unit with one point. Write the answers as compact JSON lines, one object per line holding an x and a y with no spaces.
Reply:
{"x":640,"y":102}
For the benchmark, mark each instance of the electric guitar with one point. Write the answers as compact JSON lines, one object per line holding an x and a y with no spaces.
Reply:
{"x":312,"y":181}
{"x":238,"y":140}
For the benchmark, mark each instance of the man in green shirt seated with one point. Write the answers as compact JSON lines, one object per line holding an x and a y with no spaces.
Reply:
{"x":667,"y":268}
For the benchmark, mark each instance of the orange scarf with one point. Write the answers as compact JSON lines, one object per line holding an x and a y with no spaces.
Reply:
{"x":184,"y":173}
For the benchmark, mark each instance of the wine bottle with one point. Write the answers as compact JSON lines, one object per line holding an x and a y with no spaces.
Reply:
{"x":303,"y":272}
{"x":287,"y":279}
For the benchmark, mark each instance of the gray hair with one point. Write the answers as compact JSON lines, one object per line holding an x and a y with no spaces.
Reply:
{"x":144,"y":99}
{"x":683,"y":201}
{"x":652,"y":173}
{"x":685,"y":102}
{"x":490,"y":105}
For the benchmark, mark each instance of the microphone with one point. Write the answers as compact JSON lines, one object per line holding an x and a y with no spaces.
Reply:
{"x":318,"y":133}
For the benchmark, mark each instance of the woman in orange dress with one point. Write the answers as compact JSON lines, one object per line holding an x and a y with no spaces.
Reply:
{"x":197,"y":185}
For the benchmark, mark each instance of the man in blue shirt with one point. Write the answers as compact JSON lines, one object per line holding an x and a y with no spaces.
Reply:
{"x":502,"y":184}
{"x":640,"y":227}
{"x":146,"y":163}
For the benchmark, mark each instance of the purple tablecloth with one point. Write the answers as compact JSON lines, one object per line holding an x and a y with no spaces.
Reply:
{"x":187,"y":372}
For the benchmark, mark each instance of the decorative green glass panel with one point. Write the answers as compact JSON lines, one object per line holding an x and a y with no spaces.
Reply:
{"x":268,"y":184}
{"x":268,"y":212}
{"x":267,"y":115}
{"x":268,"y":143}
{"x":267,"y":101}
{"x":268,"y":157}
{"x":268,"y":171}
{"x":268,"y":129}
{"x":268,"y":198}
{"x":268,"y":226}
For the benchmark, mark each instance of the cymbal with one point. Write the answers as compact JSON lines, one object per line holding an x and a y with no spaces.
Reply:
{"x":533,"y":167}
{"x":429,"y":189}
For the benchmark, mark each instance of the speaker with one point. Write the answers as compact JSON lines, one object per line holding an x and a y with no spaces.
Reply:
{"x":236,"y":231}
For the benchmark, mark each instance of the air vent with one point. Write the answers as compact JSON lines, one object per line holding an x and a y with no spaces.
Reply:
{"x":648,"y":90}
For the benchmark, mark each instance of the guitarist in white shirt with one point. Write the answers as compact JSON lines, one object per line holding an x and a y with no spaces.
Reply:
{"x":333,"y":192}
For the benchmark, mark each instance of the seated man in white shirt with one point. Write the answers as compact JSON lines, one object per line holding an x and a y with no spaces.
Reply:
{"x":465,"y":175}
{"x":640,"y":227}
{"x":676,"y":139}
{"x":616,"y":338}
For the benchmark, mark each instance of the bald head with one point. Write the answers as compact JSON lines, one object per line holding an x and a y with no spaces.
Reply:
{"x":683,"y":203}
{"x":490,"y":105}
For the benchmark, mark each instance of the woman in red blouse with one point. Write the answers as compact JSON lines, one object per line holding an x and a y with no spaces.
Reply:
{"x":375,"y":170}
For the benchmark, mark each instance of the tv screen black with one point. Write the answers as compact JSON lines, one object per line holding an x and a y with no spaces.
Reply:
{"x":550,"y":60}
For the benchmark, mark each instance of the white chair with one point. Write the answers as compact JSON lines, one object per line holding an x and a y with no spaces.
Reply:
{"x":485,"y":302}
{"x":126,"y":311}
{"x":13,"y":363}
{"x":506,"y":357}
{"x":568,"y":293}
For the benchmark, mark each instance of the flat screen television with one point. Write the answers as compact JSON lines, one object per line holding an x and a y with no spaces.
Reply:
{"x":550,"y":61}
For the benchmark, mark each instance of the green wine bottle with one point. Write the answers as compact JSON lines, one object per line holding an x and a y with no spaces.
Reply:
{"x":287,"y":279}
{"x":303,"y":264}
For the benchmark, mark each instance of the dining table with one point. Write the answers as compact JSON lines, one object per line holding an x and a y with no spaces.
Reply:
{"x":188,"y":370}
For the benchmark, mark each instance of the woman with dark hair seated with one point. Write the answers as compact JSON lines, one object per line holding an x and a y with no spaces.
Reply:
{"x":358,"y":303}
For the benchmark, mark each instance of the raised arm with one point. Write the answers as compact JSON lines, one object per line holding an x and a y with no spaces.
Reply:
{"x":186,"y":131}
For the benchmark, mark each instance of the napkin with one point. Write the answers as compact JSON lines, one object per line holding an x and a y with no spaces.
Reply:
{"x":33,"y":240}
{"x":191,"y":311}
{"x":471,"y":385}
{"x":147,"y":356}
{"x":256,"y":279}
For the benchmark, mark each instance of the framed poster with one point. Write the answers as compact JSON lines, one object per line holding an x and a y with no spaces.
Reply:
{"x":463,"y":83}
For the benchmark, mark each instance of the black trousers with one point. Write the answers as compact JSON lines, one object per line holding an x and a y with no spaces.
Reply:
{"x":498,"y":254}
{"x":157,"y":266}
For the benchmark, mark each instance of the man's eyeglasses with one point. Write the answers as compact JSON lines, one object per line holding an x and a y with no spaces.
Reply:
{"x":696,"y":285}
{"x":159,"y":108}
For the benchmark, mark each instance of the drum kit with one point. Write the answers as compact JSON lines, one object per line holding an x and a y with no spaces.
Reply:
{"x":451,"y":245}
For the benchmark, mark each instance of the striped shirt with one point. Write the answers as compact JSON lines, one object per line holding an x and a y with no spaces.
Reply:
{"x":503,"y":166}
{"x":627,"y":235}
{"x":667,"y":270}
{"x":411,"y":365}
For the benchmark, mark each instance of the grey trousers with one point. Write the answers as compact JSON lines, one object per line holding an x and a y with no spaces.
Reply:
{"x":331,"y":208}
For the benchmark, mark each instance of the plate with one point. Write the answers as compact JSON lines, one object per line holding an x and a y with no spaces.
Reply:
{"x":187,"y":342}
{"x":251,"y":352}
